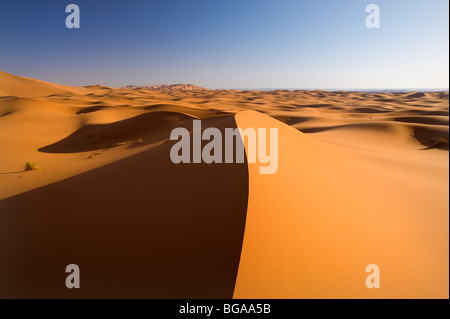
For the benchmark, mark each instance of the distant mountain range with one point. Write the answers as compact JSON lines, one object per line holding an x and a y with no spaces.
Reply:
{"x":167,"y":87}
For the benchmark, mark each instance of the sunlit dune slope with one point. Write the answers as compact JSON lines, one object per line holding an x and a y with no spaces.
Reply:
{"x":328,"y":212}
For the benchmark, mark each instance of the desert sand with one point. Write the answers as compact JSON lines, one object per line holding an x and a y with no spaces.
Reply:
{"x":362,"y":179}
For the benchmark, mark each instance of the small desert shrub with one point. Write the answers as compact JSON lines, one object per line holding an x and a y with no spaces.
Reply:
{"x":440,"y":142}
{"x":30,"y":166}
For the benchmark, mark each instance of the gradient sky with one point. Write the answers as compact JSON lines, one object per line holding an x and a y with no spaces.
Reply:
{"x":229,"y":43}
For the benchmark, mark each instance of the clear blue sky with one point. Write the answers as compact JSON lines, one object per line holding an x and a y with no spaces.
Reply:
{"x":229,"y":43}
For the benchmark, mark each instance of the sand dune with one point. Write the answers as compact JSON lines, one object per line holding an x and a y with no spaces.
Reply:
{"x":328,"y":212}
{"x":362,"y":178}
{"x":12,"y":85}
{"x":142,"y":225}
{"x":167,"y":87}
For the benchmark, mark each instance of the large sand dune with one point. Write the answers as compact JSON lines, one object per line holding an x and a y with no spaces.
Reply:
{"x":329,"y":211}
{"x":362,"y":179}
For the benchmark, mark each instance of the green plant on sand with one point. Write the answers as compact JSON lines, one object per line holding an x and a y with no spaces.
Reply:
{"x":30,"y":166}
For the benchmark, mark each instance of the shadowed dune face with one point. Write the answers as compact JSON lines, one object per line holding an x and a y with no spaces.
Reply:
{"x":362,"y":178}
{"x":141,"y":227}
{"x":429,"y":136}
{"x":146,"y":128}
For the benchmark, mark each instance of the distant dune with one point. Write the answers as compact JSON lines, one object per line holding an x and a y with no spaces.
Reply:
{"x":362,"y":179}
{"x":167,"y":87}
